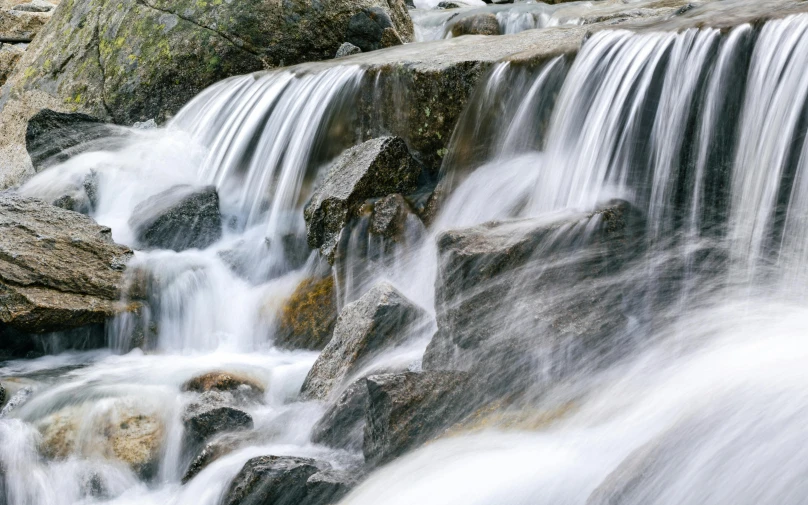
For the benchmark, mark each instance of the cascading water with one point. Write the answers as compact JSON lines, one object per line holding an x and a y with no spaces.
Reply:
{"x":701,"y":132}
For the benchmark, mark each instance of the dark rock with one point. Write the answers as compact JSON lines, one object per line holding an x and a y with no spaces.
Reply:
{"x":390,"y":216}
{"x":343,"y":424}
{"x":220,"y":446}
{"x":2,"y":395}
{"x":380,"y":319}
{"x":448,"y":5}
{"x":347,"y":49}
{"x":408,"y":409}
{"x":59,"y":270}
{"x":519,"y":296}
{"x":212,"y":415}
{"x":376,"y":168}
{"x":307,"y":318}
{"x":53,"y":137}
{"x":182,"y":217}
{"x":286,"y":480}
{"x":371,"y":29}
{"x":477,"y":24}
{"x":242,"y":387}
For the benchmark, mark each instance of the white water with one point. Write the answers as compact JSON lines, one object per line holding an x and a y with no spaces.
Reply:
{"x":721,"y":389}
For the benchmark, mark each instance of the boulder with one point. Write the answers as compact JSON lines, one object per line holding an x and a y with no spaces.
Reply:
{"x":58,"y":269}
{"x":53,"y":137}
{"x":343,"y":424}
{"x":182,"y":217}
{"x":447,"y":5}
{"x":477,"y":24}
{"x":307,"y":318}
{"x":21,"y":26}
{"x":371,"y":29}
{"x":380,"y":319}
{"x":286,"y":480}
{"x":389,"y":216}
{"x":211,"y":415}
{"x":347,"y":49}
{"x":517,"y":297}
{"x":9,"y":56}
{"x":373,"y":169}
{"x":241,"y":387}
{"x":405,"y":410}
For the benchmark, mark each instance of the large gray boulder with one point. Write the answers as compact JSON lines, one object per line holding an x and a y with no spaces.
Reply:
{"x":210,"y":415}
{"x":516,"y":298}
{"x":286,"y":480}
{"x":58,"y":269}
{"x":373,"y":169}
{"x":380,"y":319}
{"x":405,"y":410}
{"x":182,"y":217}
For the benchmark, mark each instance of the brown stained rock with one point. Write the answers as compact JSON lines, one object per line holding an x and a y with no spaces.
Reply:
{"x":307,"y":318}
{"x":225,"y":381}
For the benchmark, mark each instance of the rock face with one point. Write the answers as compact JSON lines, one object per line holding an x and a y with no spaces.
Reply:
{"x":18,"y":25}
{"x":376,"y":168}
{"x":371,"y":29}
{"x":286,"y":480}
{"x":53,"y":137}
{"x":58,"y":269}
{"x":478,"y":24}
{"x":527,"y":293}
{"x":182,"y":217}
{"x":307,"y":318}
{"x":407,"y":409}
{"x":343,"y":424}
{"x":381,"y":318}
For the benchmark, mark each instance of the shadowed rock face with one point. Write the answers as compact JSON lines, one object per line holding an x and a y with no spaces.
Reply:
{"x":343,"y":424}
{"x":58,"y":269}
{"x":375,"y":168}
{"x":380,"y":319}
{"x":182,"y":217}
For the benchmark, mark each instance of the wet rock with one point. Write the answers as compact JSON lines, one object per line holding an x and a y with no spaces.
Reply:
{"x":53,"y":137}
{"x":2,"y":395}
{"x":347,"y":49}
{"x":182,"y":217}
{"x":373,"y":169}
{"x":9,"y":56}
{"x":16,"y":400}
{"x":343,"y":424}
{"x":371,"y":29}
{"x":407,"y":409}
{"x":389,"y":216}
{"x":380,"y":319}
{"x":211,"y":415}
{"x":286,"y":480}
{"x":58,"y":269}
{"x":477,"y":24}
{"x":240,"y":386}
{"x":79,"y":193}
{"x":307,"y":318}
{"x":136,"y":439}
{"x":220,"y":446}
{"x":448,"y":5}
{"x":519,"y":296}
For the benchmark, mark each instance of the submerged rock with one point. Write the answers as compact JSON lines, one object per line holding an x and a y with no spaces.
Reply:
{"x":347,"y":49}
{"x":53,"y":137}
{"x":343,"y":424}
{"x":80,"y":195}
{"x":242,"y":387}
{"x":519,"y":296}
{"x":58,"y":269}
{"x":182,"y":217}
{"x":220,"y":446}
{"x":376,"y":168}
{"x":478,"y":24}
{"x":286,"y":480}
{"x":404,"y":410}
{"x":380,"y":319}
{"x":307,"y":318}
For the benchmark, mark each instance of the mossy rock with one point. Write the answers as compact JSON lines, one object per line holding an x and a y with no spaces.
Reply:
{"x":306,"y":320}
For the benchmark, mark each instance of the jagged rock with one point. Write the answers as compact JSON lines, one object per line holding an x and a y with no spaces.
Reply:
{"x":211,"y":415}
{"x":182,"y":217}
{"x":286,"y":480}
{"x":307,"y":318}
{"x":220,"y":446}
{"x":372,"y":169}
{"x":58,"y":269}
{"x":389,"y":216}
{"x":527,"y":293}
{"x":9,"y":56}
{"x":242,"y":387}
{"x":20,"y":26}
{"x":380,"y":319}
{"x":347,"y":49}
{"x":407,"y":409}
{"x":343,"y":424}
{"x":53,"y":137}
{"x":477,"y":24}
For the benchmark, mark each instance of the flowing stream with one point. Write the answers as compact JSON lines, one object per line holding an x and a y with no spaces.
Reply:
{"x":701,"y":130}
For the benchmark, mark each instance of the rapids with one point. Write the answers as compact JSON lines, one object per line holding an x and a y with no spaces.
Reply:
{"x":702,"y":130}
